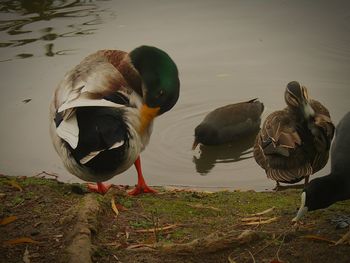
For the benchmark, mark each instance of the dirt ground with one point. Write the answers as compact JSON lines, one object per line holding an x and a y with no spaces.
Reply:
{"x":43,"y":220}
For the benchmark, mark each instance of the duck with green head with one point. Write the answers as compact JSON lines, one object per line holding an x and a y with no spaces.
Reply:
{"x":102,"y":112}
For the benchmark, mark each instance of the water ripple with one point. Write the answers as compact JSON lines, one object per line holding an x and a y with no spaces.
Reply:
{"x":25,"y":22}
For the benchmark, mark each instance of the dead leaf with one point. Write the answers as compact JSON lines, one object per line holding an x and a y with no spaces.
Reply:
{"x":121,"y":207}
{"x":2,"y":195}
{"x":7,"y":220}
{"x":20,"y":240}
{"x":14,"y":184}
{"x":114,"y":208}
{"x":26,"y":257}
{"x":318,"y":238}
{"x":267,"y":221}
{"x":152,"y":230}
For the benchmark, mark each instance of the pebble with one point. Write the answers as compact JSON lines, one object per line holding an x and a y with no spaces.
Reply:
{"x":341,"y":221}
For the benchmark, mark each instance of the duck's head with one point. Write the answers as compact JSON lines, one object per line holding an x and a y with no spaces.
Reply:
{"x":297,"y":97}
{"x":206,"y":134}
{"x":320,"y":193}
{"x":159,"y":75}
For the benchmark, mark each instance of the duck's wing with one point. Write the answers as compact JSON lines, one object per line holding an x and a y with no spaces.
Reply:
{"x":322,"y":126}
{"x":322,"y":129}
{"x":97,"y":76}
{"x":277,"y":149}
{"x":278,"y":134}
{"x":92,"y":83}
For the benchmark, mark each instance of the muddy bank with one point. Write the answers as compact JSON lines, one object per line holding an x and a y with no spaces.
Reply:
{"x":43,"y":220}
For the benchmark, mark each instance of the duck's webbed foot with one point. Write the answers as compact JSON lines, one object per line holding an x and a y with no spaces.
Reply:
{"x":100,"y":188}
{"x":140,"y":189}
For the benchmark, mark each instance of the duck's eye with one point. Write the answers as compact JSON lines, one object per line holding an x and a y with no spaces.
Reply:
{"x":160,"y":93}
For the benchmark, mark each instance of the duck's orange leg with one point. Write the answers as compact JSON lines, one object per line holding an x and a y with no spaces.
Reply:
{"x":100,"y":188}
{"x":141,"y":186}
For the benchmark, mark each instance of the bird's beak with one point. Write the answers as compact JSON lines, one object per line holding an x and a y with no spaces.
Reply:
{"x":147,"y":115}
{"x":302,"y":210}
{"x":195,"y":143}
{"x":308,"y":110}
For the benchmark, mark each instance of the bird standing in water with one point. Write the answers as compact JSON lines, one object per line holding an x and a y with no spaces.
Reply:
{"x":102,"y":112}
{"x":294,"y":143}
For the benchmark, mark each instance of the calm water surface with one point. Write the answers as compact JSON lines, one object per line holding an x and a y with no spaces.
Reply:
{"x":226,"y":51}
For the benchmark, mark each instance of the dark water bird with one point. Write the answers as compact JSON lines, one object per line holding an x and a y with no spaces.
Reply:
{"x":294,"y":143}
{"x":324,"y":191}
{"x":228,"y":123}
{"x":235,"y":151}
{"x":102,"y":113}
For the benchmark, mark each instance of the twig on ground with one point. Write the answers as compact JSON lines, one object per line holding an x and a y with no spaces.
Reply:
{"x":263,"y":212}
{"x":46,"y":173}
{"x":279,"y":248}
{"x":200,"y":206}
{"x":261,"y":222}
{"x":250,"y":253}
{"x":157,"y":229}
{"x":208,"y":244}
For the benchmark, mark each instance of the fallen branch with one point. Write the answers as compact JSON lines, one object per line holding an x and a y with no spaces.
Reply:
{"x":84,"y":215}
{"x":263,"y":212}
{"x":318,"y":238}
{"x":261,"y":222}
{"x":43,"y":173}
{"x":208,"y":244}
{"x":254,"y":218}
{"x":152,"y":230}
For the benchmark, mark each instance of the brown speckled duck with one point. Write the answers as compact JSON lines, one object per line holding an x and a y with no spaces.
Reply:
{"x":102,"y":112}
{"x":294,"y":143}
{"x":228,"y":123}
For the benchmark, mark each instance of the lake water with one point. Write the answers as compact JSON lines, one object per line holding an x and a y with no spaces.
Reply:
{"x":226,"y":52}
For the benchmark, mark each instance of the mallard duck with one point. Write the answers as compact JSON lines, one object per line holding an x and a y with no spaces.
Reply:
{"x":102,"y":112}
{"x":294,"y":143}
{"x":228,"y":123}
{"x":324,"y":191}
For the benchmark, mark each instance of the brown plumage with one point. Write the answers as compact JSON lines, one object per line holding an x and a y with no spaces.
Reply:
{"x":294,"y":143}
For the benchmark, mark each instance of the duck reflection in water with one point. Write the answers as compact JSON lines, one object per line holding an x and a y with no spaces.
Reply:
{"x":235,"y":151}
